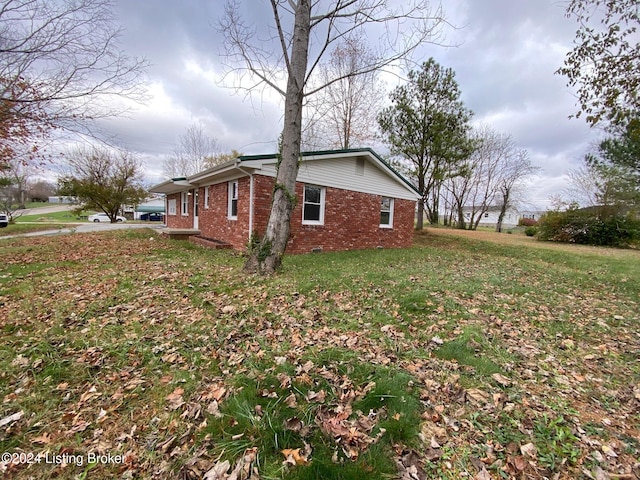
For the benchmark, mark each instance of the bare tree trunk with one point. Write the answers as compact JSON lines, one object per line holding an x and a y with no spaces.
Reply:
{"x":420,"y":215}
{"x":503,"y":209}
{"x":267,"y":257}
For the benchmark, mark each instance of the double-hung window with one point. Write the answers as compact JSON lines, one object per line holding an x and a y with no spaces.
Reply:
{"x":386,"y":212}
{"x":206,"y":197}
{"x":313,"y":205}
{"x":232,"y":208}
{"x":184,"y":200}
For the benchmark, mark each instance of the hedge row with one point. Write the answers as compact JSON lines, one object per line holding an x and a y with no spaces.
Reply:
{"x":590,"y":227}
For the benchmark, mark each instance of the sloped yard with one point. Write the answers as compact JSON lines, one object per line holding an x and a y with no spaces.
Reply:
{"x":128,"y":356}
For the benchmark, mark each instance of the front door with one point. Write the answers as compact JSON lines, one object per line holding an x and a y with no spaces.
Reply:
{"x":195,"y":209}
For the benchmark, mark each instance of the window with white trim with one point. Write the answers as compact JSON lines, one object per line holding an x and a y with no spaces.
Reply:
{"x":206,"y":197}
{"x":313,"y":205}
{"x":232,"y":208}
{"x":172,"y":206}
{"x":184,"y":200}
{"x":386,"y":212}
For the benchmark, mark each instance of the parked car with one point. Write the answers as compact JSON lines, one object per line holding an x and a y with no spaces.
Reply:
{"x":152,"y":217}
{"x":103,"y":217}
{"x":4,"y":220}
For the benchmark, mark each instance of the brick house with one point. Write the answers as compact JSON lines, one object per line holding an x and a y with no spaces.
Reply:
{"x":347,"y":199}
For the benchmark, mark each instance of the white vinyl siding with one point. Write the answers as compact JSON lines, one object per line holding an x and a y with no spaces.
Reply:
{"x":341,"y":173}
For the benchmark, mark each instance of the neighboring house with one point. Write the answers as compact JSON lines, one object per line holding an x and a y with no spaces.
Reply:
{"x":62,"y":199}
{"x":155,"y":205}
{"x":346,"y":199}
{"x":510,"y":220}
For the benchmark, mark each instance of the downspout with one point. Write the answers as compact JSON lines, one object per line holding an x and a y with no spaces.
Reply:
{"x":237,"y":167}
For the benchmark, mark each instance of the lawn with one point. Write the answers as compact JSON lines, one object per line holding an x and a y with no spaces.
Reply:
{"x":125,"y":355}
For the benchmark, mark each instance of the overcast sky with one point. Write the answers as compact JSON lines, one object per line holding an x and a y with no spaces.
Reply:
{"x":505,"y":56}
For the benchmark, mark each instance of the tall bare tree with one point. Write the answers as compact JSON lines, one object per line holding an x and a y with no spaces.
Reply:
{"x":305,"y":31}
{"x":343,"y":115}
{"x":194,"y":152}
{"x":61,"y":63}
{"x":476,"y":187}
{"x":512,"y":171}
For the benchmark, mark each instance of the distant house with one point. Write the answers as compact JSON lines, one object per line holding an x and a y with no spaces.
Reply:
{"x":346,"y":199}
{"x":62,"y":199}
{"x":511,"y":218}
{"x":156,"y":205}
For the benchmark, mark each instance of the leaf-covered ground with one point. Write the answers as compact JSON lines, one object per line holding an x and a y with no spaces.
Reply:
{"x":461,"y":357}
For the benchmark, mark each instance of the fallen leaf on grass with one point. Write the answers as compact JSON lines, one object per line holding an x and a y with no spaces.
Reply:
{"x":14,"y":417}
{"x":483,"y":475}
{"x":218,"y":471}
{"x":291,"y":401}
{"x":175,"y":398}
{"x":293,"y":457}
{"x":501,"y":379}
{"x":43,"y":439}
{"x":529,"y":450}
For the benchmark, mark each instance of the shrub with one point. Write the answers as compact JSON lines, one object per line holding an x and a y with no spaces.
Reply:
{"x":530,"y":231}
{"x":591,"y":226}
{"x":527,"y":222}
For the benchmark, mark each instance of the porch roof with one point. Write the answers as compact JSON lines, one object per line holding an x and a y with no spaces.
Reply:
{"x":173,"y":185}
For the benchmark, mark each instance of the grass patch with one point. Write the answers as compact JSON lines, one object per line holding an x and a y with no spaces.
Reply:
{"x":376,"y":363}
{"x":472,"y":349}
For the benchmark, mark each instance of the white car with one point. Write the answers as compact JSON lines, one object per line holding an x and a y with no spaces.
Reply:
{"x":4,"y":220}
{"x":103,"y":217}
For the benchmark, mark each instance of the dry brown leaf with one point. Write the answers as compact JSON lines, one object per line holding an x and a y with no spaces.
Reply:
{"x":294,"y":457}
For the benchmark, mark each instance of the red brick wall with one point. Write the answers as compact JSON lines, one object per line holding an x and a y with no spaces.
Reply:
{"x":214,"y":222}
{"x":351,"y":219}
{"x":178,"y":220}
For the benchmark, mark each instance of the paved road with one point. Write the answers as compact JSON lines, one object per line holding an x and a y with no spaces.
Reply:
{"x":79,"y":228}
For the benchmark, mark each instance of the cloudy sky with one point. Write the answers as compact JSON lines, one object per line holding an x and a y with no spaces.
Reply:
{"x":504,"y":55}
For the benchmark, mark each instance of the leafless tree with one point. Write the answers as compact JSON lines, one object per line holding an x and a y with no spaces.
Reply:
{"x":584,"y":186}
{"x":476,"y":188}
{"x":512,"y":171}
{"x":194,"y":152}
{"x":343,"y":115}
{"x":60,"y":63}
{"x":305,"y":31}
{"x":491,"y":177}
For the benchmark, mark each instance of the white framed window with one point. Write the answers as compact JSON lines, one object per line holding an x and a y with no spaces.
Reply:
{"x":232,"y":208}
{"x":386,"y":212}
{"x":184,"y":200}
{"x":206,"y":197}
{"x":313,"y":205}
{"x":171,"y":207}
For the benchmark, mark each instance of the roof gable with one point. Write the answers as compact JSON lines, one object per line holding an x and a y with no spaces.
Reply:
{"x":343,"y":169}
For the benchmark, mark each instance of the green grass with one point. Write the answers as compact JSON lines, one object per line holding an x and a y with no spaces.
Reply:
{"x":54,"y":217}
{"x":460,"y":348}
